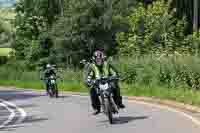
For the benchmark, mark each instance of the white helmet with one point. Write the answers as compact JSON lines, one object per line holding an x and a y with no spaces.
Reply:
{"x":48,"y":66}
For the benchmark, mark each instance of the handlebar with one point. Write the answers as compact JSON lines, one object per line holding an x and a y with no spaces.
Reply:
{"x":85,"y":61}
{"x":111,"y":78}
{"x":56,"y":77}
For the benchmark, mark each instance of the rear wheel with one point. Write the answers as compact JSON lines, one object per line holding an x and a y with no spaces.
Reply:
{"x":108,"y":111}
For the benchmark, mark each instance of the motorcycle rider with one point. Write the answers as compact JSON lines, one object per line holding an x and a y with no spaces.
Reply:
{"x":49,"y":71}
{"x":100,"y":67}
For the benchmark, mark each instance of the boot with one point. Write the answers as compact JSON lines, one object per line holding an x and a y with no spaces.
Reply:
{"x":97,"y":112}
{"x":120,"y":104}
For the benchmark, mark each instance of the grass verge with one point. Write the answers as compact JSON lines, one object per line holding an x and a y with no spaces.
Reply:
{"x":39,"y":85}
{"x":187,"y":96}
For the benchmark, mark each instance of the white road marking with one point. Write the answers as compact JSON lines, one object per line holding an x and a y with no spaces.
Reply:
{"x":11,"y":116}
{"x":20,"y":119}
{"x":22,"y":112}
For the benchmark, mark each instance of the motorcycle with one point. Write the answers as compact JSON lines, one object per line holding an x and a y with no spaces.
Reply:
{"x":105,"y":93}
{"x":52,"y":90}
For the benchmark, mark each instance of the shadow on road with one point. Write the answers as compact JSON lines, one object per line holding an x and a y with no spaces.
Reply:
{"x":33,"y":119}
{"x":10,"y":95}
{"x":126,"y":119}
{"x":27,"y":106}
{"x":27,"y":122}
{"x":63,"y":96}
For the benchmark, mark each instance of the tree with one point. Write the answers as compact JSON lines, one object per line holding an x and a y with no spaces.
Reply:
{"x":158,"y":31}
{"x":33,"y":21}
{"x":195,"y":22}
{"x":88,"y":25}
{"x":187,"y":8}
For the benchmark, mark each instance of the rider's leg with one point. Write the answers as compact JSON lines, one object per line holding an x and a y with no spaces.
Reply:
{"x":47,"y":86}
{"x":117,"y":96}
{"x":95,"y":100}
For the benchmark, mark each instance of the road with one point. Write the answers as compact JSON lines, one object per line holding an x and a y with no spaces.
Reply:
{"x":37,"y":113}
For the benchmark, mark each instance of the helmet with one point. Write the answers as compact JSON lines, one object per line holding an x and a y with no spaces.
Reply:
{"x":48,"y":66}
{"x":98,"y":57}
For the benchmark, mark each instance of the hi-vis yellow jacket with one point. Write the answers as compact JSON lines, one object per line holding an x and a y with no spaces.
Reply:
{"x":95,"y":72}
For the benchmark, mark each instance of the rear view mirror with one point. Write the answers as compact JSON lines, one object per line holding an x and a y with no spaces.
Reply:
{"x":83,"y":61}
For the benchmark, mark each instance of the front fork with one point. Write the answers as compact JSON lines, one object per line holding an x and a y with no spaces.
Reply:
{"x":101,"y":98}
{"x":112,"y":103}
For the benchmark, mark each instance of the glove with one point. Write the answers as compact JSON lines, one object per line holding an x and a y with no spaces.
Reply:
{"x":90,"y":83}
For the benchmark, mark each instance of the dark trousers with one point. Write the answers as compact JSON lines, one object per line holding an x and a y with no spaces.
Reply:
{"x":47,"y":85}
{"x":96,"y":105}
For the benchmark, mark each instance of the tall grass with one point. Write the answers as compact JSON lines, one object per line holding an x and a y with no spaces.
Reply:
{"x":166,"y":71}
{"x":174,"y":77}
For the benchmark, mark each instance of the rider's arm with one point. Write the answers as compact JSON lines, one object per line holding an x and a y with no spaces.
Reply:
{"x":113,"y":71}
{"x":54,"y":71}
{"x":89,"y":76}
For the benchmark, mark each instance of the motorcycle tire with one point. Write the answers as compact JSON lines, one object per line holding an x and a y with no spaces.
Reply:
{"x":108,"y":110}
{"x":50,"y":93}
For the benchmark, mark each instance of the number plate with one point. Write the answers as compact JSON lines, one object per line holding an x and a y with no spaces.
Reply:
{"x":103,"y":87}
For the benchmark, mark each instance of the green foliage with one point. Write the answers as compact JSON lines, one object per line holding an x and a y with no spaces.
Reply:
{"x":6,"y":27}
{"x":3,"y":60}
{"x":152,"y":30}
{"x":184,"y":8}
{"x":33,"y":20}
{"x":76,"y":28}
{"x":167,"y":70}
{"x":5,"y":51}
{"x":87,"y":25}
{"x":5,"y":55}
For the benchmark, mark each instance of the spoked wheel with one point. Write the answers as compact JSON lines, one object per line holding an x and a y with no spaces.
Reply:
{"x":50,"y":91}
{"x":108,"y":111}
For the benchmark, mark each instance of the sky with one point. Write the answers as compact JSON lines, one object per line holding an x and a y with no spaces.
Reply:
{"x":7,"y":3}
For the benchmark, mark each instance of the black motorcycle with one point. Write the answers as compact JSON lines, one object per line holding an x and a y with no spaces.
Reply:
{"x":53,"y":89}
{"x":105,"y":93}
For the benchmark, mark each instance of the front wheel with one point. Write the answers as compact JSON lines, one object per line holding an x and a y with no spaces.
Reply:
{"x":50,"y":91}
{"x":108,"y":110}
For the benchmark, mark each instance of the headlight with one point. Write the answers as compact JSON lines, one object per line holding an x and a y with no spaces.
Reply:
{"x":53,"y":81}
{"x":103,"y":87}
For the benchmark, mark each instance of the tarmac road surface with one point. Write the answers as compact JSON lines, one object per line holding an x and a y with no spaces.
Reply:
{"x":27,"y":111}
